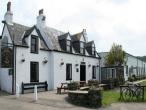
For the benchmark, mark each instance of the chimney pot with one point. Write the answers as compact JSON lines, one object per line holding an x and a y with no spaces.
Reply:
{"x":9,"y":6}
{"x":41,"y":11}
{"x":8,"y":17}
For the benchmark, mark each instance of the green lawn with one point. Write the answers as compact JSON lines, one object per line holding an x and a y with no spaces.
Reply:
{"x":110,"y":96}
{"x":143,"y":83}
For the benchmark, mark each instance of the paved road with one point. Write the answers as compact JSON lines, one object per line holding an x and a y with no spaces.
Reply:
{"x":52,"y":101}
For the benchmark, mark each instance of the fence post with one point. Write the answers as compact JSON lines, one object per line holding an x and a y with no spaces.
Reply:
{"x":143,"y":93}
{"x":35,"y":93}
{"x":17,"y":90}
{"x":22,"y":88}
{"x":120,"y":93}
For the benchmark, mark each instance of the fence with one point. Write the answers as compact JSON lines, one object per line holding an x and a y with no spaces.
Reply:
{"x":132,"y":92}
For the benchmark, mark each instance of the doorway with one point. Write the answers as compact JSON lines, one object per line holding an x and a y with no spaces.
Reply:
{"x":82,"y":72}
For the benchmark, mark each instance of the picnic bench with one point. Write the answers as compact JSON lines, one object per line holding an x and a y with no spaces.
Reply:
{"x":81,"y":83}
{"x":86,"y":88}
{"x":64,"y":86}
{"x":104,"y":86}
{"x":30,"y":86}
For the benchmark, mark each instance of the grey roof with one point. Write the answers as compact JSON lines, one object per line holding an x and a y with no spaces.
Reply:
{"x":50,"y":36}
{"x":88,"y":44}
{"x":76,"y":37}
{"x":19,"y":32}
{"x":63,"y":36}
{"x":16,"y":32}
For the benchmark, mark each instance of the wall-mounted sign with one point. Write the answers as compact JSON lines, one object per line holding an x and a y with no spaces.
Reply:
{"x":7,"y":57}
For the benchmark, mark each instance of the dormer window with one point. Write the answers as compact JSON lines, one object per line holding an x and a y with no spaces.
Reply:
{"x":68,"y":46}
{"x":34,"y":44}
{"x":82,"y":47}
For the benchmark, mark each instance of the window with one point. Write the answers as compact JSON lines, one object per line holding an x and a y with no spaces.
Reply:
{"x":34,"y":72}
{"x":34,"y":44}
{"x":93,"y":49}
{"x":93,"y":72}
{"x":68,"y":71}
{"x":113,"y":73}
{"x":68,"y":46}
{"x":82,"y":48}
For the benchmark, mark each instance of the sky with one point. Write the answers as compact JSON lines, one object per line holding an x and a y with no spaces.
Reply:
{"x":106,"y":21}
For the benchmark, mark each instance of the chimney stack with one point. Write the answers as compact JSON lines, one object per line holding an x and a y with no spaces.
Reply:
{"x":41,"y":12}
{"x":9,"y":15}
{"x":9,"y":6}
{"x":85,"y":35}
{"x":41,"y":19}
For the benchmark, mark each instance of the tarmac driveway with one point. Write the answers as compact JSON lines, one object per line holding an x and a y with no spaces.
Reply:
{"x":52,"y":101}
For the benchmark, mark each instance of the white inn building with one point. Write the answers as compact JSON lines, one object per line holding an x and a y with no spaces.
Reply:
{"x":40,"y":53}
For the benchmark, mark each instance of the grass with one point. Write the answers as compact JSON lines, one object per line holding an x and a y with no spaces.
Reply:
{"x":110,"y":96}
{"x":143,"y":83}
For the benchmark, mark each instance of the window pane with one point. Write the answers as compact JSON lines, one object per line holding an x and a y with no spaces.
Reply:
{"x":68,"y":72}
{"x":82,"y":45}
{"x":94,"y":72}
{"x":68,"y":42}
{"x":34,"y":44}
{"x":68,"y":48}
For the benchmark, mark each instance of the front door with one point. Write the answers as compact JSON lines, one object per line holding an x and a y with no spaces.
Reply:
{"x":82,"y":73}
{"x":34,"y":72}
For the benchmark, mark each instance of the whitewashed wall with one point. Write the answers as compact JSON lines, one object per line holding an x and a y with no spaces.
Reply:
{"x":103,"y":56}
{"x":5,"y":78}
{"x":132,"y":61}
{"x":60,"y":70}
{"x":23,"y":68}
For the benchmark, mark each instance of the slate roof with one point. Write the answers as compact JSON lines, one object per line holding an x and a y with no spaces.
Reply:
{"x":18,"y":32}
{"x":88,"y":44}
{"x":63,"y":36}
{"x":49,"y":37}
{"x":76,"y":37}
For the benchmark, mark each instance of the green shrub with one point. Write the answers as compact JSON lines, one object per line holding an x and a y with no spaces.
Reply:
{"x":73,"y":86}
{"x":93,"y":82}
{"x":130,"y":79}
{"x":95,"y":97}
{"x":121,"y":80}
{"x":92,"y":99}
{"x":134,"y":77}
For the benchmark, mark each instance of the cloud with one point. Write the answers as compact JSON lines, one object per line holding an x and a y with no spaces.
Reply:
{"x":106,"y":21}
{"x":120,"y":1}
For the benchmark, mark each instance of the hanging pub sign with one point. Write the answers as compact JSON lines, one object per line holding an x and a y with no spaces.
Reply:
{"x":7,"y":58}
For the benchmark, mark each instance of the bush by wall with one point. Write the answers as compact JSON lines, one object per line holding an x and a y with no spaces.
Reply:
{"x":92,"y":99}
{"x":73,"y":86}
{"x":93,"y":82}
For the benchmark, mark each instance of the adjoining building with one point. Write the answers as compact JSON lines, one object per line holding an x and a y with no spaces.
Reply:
{"x":133,"y":66}
{"x":40,"y":53}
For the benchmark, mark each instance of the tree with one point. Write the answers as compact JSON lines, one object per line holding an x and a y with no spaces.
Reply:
{"x":116,"y":56}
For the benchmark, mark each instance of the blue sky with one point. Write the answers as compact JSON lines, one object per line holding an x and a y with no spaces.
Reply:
{"x":106,"y":21}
